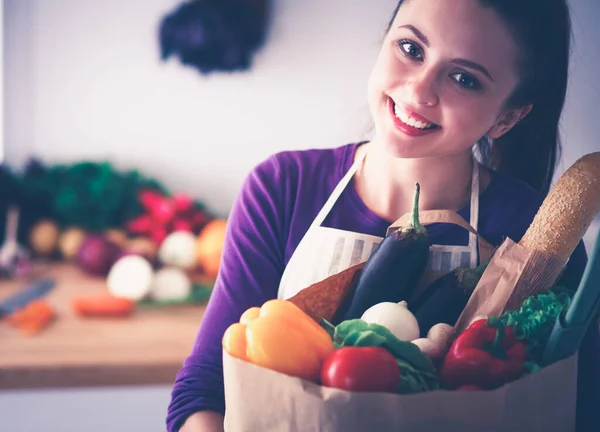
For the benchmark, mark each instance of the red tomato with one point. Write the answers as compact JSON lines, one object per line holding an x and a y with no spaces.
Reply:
{"x":368,"y":369}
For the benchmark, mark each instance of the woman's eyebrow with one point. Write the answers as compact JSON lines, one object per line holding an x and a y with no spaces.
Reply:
{"x":417,"y":33}
{"x":459,"y":61}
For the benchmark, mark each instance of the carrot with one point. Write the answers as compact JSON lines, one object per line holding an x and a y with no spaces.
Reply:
{"x":102,"y":305}
{"x":35,"y":310}
{"x":32,"y":318}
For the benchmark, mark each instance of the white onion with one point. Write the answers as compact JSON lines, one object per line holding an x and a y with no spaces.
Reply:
{"x":395,"y":317}
{"x":178,"y":249}
{"x":170,"y":283}
{"x":130,"y":277}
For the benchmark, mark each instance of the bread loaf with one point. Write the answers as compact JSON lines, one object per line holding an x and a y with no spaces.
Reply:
{"x":323,"y":299}
{"x":568,"y":210}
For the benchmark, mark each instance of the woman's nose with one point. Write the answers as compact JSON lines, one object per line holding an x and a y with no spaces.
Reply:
{"x":421,"y":88}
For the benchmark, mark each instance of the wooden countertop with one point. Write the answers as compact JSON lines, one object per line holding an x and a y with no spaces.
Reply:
{"x":147,"y":347}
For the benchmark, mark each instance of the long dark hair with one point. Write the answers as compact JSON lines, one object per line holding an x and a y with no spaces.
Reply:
{"x":531,"y":149}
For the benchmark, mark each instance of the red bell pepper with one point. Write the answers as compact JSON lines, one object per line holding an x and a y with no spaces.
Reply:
{"x":486,"y":355}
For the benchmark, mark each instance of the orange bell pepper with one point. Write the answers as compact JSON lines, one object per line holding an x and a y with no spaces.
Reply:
{"x":282,"y":337}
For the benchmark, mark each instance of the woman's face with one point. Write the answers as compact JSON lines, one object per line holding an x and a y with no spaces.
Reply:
{"x":442,"y":77}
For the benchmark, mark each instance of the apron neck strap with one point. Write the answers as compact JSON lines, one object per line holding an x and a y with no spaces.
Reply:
{"x":338,"y":190}
{"x":474,"y":204}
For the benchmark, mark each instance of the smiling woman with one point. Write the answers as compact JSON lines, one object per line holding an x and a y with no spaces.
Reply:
{"x":528,"y":45}
{"x":451,"y":77}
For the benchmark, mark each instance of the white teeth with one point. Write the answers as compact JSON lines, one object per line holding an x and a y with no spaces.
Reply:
{"x":409,"y":120}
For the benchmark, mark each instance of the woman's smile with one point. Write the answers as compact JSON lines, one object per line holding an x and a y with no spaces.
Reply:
{"x":409,"y":122}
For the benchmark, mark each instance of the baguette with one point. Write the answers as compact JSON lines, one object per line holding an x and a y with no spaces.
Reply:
{"x":568,"y":210}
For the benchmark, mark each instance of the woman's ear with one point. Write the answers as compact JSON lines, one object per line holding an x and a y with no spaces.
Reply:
{"x":507,"y":120}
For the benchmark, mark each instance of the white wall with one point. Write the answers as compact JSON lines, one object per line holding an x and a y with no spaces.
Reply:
{"x":83,"y":79}
{"x":580,"y":118}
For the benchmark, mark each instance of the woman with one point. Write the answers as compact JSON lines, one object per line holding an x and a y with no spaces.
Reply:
{"x":449,"y":74}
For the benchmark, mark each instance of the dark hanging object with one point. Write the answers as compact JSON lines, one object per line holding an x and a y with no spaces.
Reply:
{"x":215,"y":35}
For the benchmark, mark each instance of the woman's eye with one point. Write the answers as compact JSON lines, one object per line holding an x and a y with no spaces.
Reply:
{"x":410,"y":49}
{"x":466,"y":81}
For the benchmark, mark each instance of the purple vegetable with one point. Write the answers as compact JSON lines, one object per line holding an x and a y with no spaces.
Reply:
{"x":97,"y":254}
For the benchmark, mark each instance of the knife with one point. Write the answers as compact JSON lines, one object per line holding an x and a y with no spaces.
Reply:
{"x":26,"y":295}
{"x":573,"y":322}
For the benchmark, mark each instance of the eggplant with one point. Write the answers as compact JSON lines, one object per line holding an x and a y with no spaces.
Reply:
{"x":444,"y":300}
{"x":393,"y":270}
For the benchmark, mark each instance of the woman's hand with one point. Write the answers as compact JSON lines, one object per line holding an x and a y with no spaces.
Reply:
{"x":203,"y":421}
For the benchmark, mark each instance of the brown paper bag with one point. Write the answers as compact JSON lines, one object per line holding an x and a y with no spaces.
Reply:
{"x":513,"y":274}
{"x":259,"y":399}
{"x":428,"y":217}
{"x":325,"y":298}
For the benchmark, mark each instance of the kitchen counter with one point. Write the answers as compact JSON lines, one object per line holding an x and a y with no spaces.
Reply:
{"x":147,"y":347}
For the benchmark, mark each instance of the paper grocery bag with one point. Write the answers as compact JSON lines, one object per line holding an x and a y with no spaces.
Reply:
{"x":513,"y":274}
{"x":259,"y":399}
{"x":427,"y":217}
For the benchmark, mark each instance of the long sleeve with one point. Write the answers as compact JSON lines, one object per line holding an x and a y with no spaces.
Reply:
{"x":251,"y":267}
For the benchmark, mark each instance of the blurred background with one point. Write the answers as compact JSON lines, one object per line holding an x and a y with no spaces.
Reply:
{"x":85,"y":81}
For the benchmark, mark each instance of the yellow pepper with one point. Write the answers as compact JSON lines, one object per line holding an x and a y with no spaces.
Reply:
{"x":282,"y":337}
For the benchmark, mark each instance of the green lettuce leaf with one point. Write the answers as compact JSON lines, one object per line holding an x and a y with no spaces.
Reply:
{"x":534,"y":321}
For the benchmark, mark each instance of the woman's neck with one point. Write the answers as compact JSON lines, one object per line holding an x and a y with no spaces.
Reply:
{"x":386,"y":184}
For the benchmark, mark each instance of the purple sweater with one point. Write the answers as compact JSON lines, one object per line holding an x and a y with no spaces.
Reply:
{"x":277,"y":202}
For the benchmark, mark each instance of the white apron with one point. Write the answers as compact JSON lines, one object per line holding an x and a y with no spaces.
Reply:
{"x":325,"y":251}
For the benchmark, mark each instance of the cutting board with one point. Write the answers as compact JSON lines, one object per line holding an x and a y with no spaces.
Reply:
{"x":148,"y":347}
